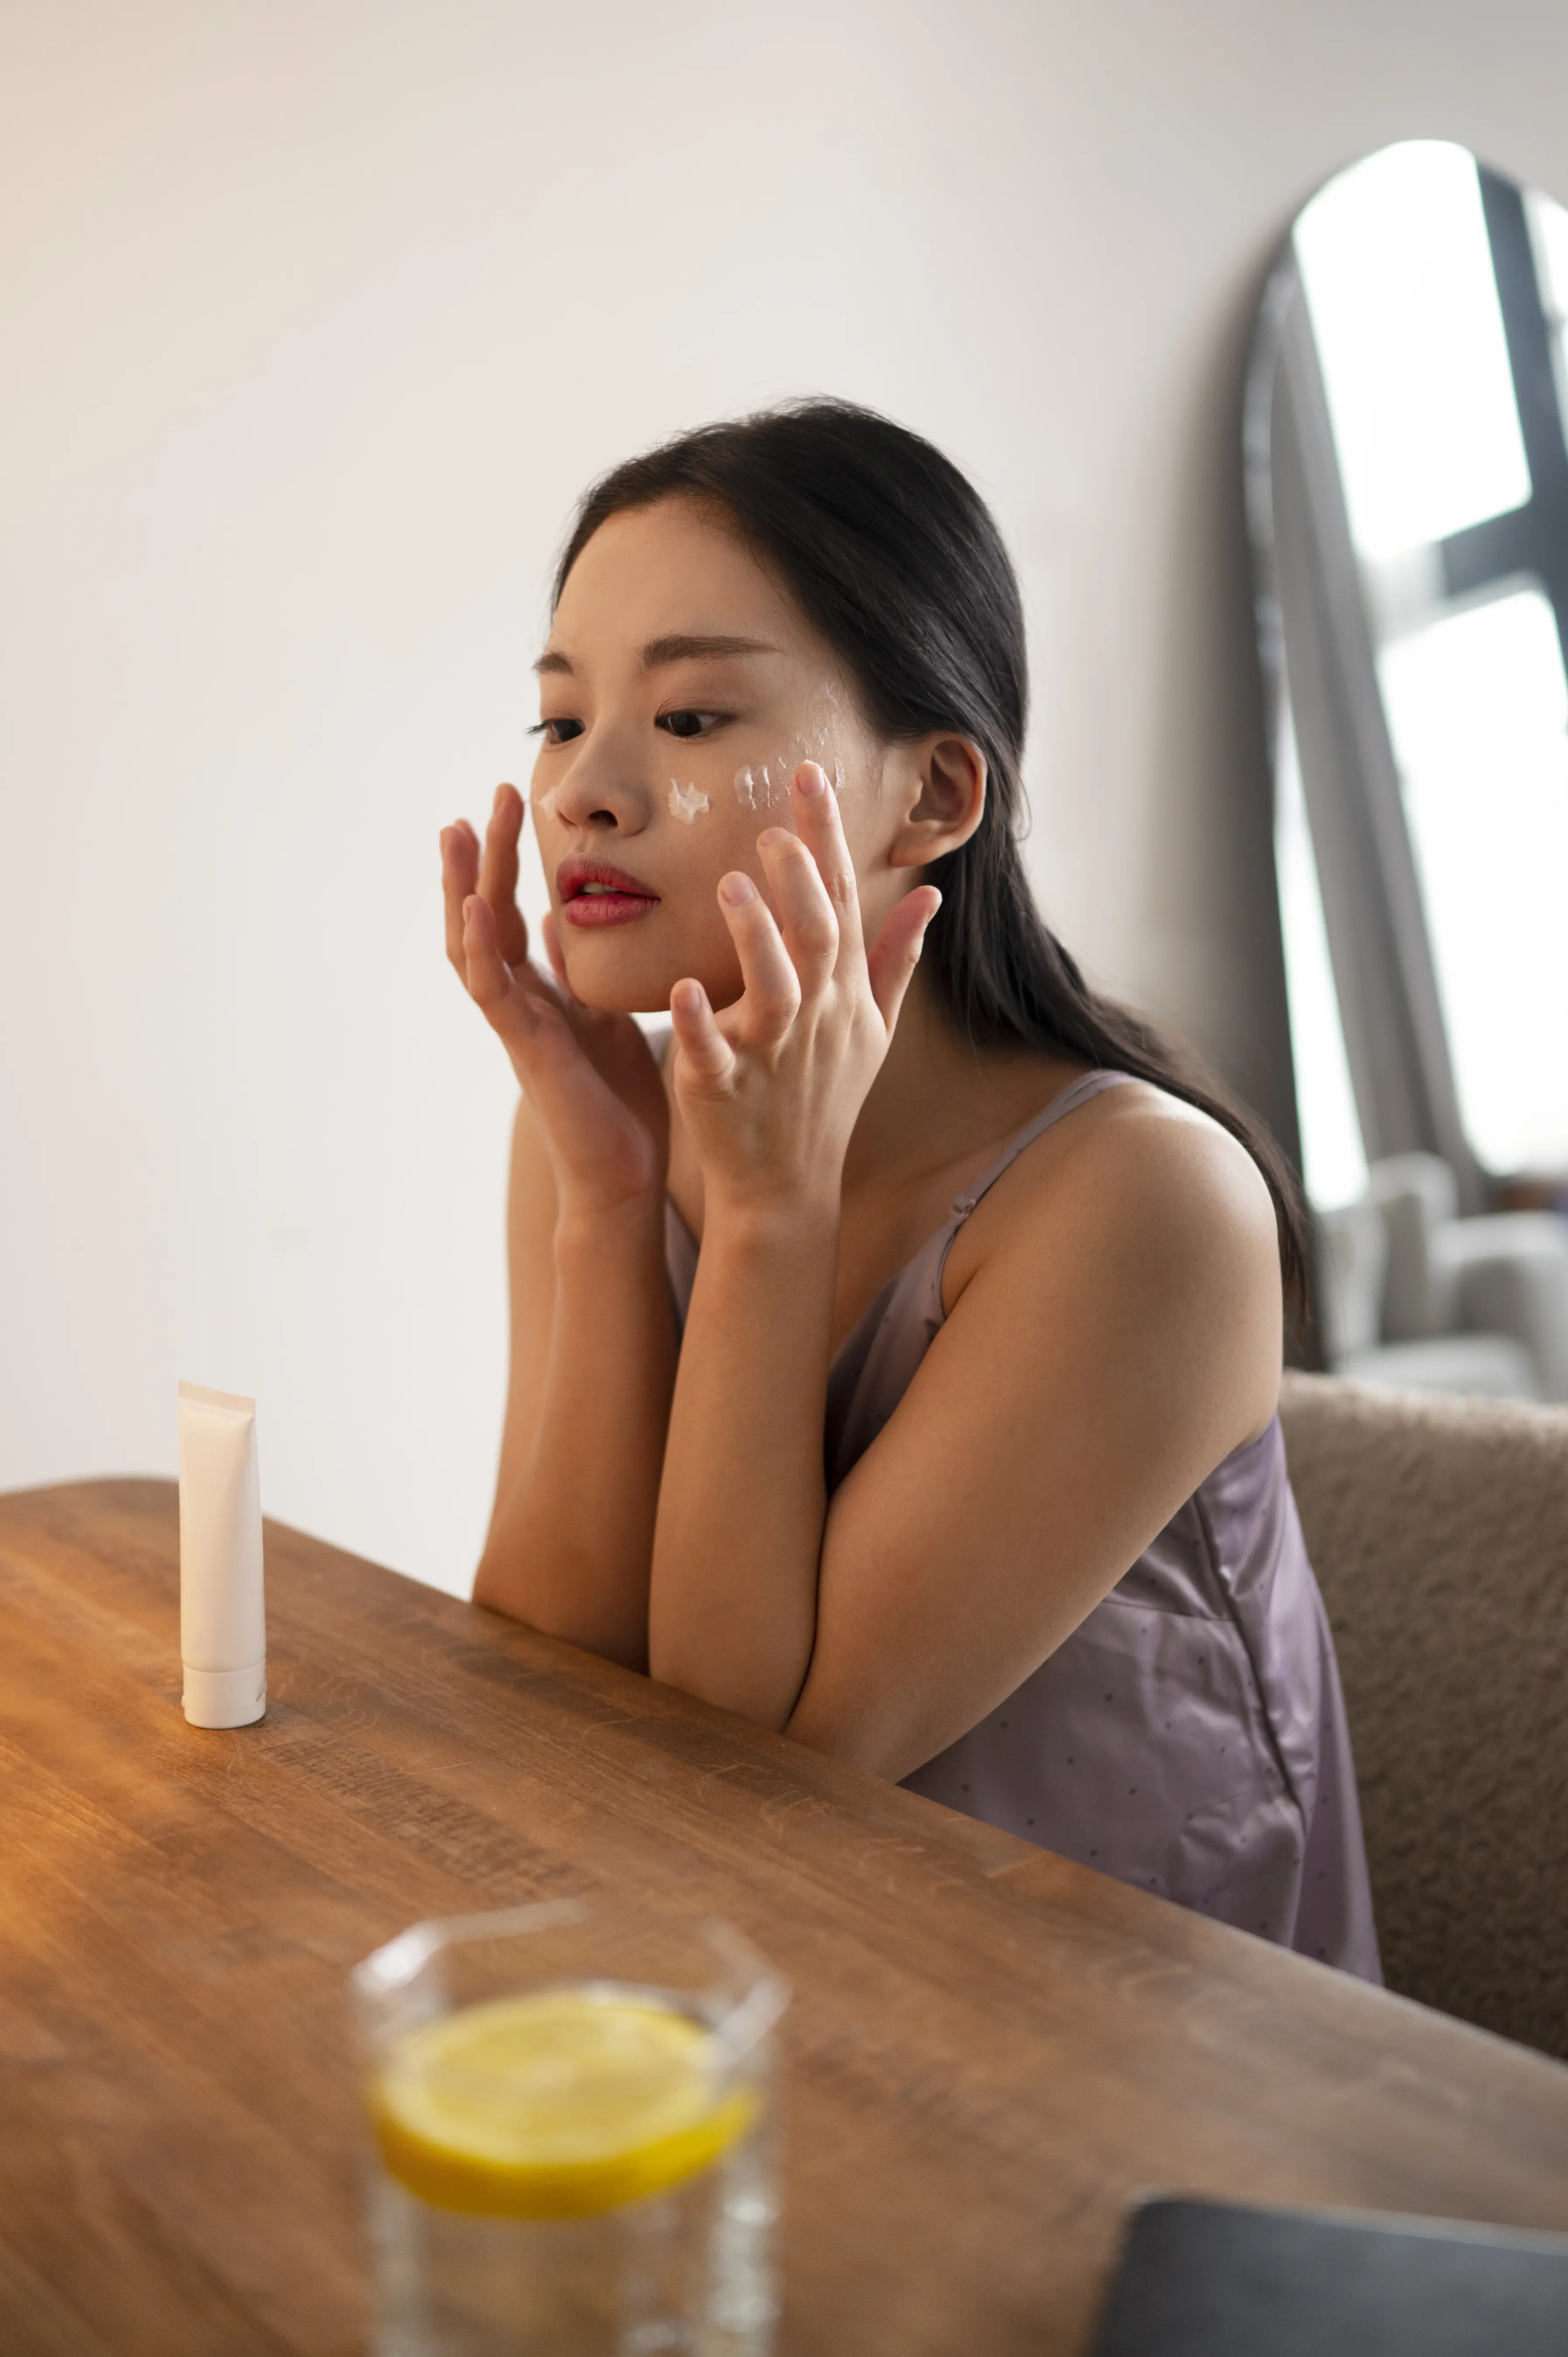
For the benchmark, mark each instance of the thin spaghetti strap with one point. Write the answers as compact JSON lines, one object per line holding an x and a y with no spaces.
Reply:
{"x":1067,"y":1100}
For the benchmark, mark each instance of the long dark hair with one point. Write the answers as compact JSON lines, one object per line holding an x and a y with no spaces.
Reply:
{"x":896,"y":561}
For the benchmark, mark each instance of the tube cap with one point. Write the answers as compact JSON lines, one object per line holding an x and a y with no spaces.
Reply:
{"x":225,"y":1697}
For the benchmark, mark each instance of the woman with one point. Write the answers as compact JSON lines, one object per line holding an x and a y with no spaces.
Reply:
{"x":902,"y":1180}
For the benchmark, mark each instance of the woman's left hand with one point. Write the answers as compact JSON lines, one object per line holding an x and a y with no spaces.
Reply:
{"x":770,"y":1087}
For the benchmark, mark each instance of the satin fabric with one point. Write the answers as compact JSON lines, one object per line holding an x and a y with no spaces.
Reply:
{"x":1189,"y":1737}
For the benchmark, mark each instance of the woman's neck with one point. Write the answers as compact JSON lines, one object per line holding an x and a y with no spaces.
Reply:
{"x":937,"y":1099}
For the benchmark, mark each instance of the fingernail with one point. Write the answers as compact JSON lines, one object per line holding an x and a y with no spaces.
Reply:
{"x":688,"y":995}
{"x":737,"y":890}
{"x":771,"y":835}
{"x":810,"y":778}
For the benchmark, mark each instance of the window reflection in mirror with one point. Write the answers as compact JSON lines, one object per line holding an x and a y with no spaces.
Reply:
{"x":1436,"y":298}
{"x":1399,"y":280}
{"x":1478,"y":710}
{"x":1333,"y":1153}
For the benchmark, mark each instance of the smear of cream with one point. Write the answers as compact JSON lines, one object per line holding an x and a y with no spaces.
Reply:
{"x":765,"y":785}
{"x":686,"y":801}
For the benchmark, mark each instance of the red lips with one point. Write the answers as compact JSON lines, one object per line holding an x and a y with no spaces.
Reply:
{"x":593,"y":893}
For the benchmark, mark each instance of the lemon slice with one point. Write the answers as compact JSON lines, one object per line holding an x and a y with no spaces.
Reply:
{"x":557,"y":2104}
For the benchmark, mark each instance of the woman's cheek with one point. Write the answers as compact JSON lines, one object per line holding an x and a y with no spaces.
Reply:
{"x":688,"y":801}
{"x":759,"y":787}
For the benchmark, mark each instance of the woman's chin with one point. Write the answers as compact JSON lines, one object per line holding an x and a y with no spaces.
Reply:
{"x":624,"y":985}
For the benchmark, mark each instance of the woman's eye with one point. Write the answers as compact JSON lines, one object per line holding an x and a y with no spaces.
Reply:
{"x":688,"y":724}
{"x":557,"y":732}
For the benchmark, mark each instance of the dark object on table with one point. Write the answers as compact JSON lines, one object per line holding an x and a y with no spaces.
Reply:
{"x":1206,"y":2280}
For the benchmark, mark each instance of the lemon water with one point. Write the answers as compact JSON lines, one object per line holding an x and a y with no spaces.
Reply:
{"x":570,"y":2173}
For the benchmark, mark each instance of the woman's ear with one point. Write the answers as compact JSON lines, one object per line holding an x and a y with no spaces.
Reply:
{"x":941,"y":784}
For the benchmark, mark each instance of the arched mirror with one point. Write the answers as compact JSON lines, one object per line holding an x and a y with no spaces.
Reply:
{"x":1407,"y":477}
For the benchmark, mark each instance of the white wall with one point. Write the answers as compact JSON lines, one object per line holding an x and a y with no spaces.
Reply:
{"x":316,"y":317}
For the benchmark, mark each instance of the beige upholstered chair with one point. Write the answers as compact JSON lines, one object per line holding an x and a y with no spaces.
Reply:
{"x":1438,"y":1528}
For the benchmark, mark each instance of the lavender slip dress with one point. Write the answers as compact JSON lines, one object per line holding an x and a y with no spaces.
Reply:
{"x":1189,"y":1737}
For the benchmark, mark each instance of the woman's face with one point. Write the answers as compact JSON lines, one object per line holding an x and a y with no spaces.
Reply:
{"x":679,"y":691}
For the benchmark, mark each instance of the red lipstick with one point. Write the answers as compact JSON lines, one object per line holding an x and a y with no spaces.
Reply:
{"x":593,"y":893}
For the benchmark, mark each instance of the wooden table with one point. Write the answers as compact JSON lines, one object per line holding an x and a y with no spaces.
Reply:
{"x":990,"y":2052}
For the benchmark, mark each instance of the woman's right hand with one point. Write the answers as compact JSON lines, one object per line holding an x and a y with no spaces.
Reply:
{"x":590,"y":1076}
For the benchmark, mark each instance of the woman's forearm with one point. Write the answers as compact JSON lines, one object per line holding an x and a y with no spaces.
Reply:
{"x":572,"y":1536}
{"x":733,"y":1609}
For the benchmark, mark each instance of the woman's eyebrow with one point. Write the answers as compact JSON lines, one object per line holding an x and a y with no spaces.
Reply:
{"x":684,"y":646}
{"x":677,"y":646}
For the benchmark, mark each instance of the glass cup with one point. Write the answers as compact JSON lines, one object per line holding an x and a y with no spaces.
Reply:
{"x":570,"y":2135}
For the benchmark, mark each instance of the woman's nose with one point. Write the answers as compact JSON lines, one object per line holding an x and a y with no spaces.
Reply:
{"x":603,"y":790}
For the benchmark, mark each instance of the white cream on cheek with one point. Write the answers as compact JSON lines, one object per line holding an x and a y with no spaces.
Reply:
{"x":758,"y":786}
{"x":687,"y":801}
{"x":766,"y":785}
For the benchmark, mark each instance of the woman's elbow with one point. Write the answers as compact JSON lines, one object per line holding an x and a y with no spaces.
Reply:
{"x":850,"y":1734}
{"x":490,"y":1590}
{"x":613,"y":1636}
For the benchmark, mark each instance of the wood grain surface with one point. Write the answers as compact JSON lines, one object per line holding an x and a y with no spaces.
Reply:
{"x":990,"y":2052}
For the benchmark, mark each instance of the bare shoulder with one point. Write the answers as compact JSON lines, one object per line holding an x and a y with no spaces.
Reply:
{"x":1134,"y":1154}
{"x":1139,"y":1209}
{"x":1154,"y":1157}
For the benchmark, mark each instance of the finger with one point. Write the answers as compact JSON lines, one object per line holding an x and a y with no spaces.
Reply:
{"x":509,"y":1005}
{"x":706,"y":1055}
{"x":896,"y":951}
{"x":557,"y":956}
{"x":498,"y":873}
{"x":821,"y":829}
{"x":459,"y":874}
{"x":770,"y":994}
{"x":490,"y":978}
{"x":806,"y":918}
{"x":560,"y":1080}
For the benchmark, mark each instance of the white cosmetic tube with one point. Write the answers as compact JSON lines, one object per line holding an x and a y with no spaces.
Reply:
{"x":222,"y":1622}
